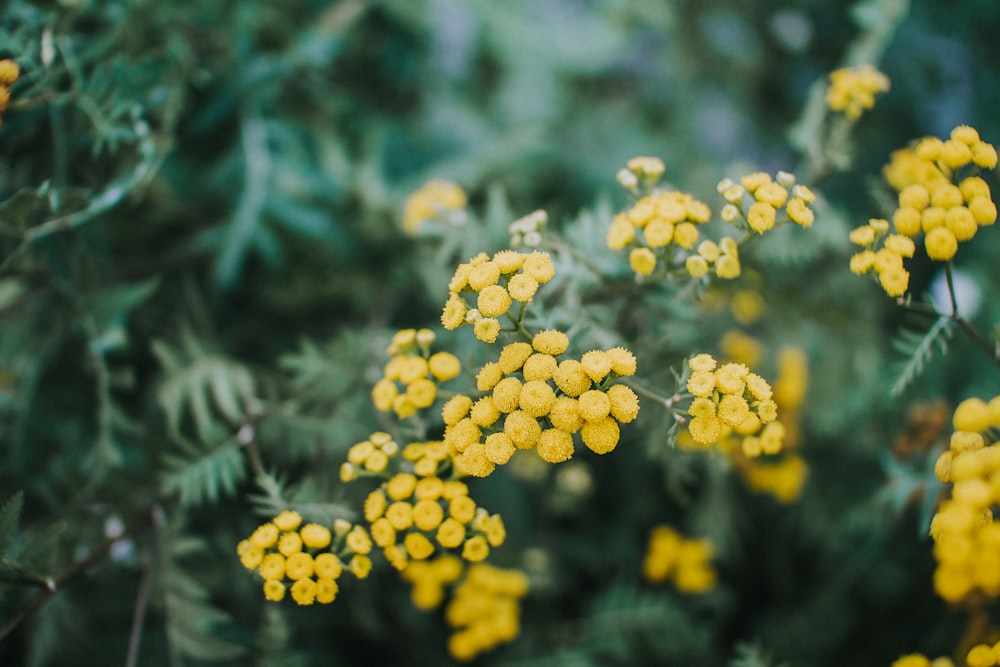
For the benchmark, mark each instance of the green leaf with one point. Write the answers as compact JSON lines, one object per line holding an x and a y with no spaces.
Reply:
{"x":40,"y":550}
{"x":200,"y":475}
{"x":10,"y":516}
{"x":919,"y":348}
{"x":190,"y":616}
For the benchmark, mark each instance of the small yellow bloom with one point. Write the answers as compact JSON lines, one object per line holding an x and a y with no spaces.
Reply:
{"x":274,"y":590}
{"x":941,"y":244}
{"x":601,"y":435}
{"x":476,"y":549}
{"x":555,"y":445}
{"x":315,"y":536}
{"x":551,"y":342}
{"x":487,"y":329}
{"x":444,"y":366}
{"x":288,"y":520}
{"x":642,"y":261}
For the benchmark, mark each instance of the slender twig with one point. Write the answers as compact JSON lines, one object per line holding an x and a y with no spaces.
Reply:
{"x":63,"y":578}
{"x":145,"y":589}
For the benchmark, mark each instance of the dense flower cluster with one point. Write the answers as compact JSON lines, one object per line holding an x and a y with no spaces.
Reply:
{"x":641,"y":173}
{"x":882,"y":253}
{"x":485,"y":610}
{"x":853,"y":89}
{"x":309,"y":556}
{"x":532,"y":399}
{"x":939,"y":196}
{"x":435,"y":200}
{"x":412,"y":517}
{"x":758,"y":200}
{"x":410,"y":378}
{"x":965,"y":532}
{"x":722,"y":257}
{"x":655,"y":225}
{"x":9,"y":73}
{"x":729,"y":398}
{"x":686,"y":563}
{"x":369,"y":456}
{"x":497,"y":283}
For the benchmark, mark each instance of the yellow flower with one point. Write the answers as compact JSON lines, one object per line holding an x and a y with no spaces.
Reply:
{"x":852,"y":90}
{"x":522,"y":429}
{"x":433,"y":199}
{"x":507,"y":394}
{"x":484,"y":412}
{"x":272,"y":567}
{"x":940,"y":244}
{"x":623,"y":363}
{"x":487,"y":329}
{"x":761,"y":217}
{"x":536,"y":398}
{"x":799,"y":212}
{"x":274,"y":590}
{"x":327,"y":566}
{"x":265,"y":536}
{"x":555,"y":445}
{"x":250,"y":555}
{"x":475,"y":549}
{"x":539,"y":367}
{"x":600,"y":435}
{"x":593,"y":405}
{"x":493,"y":301}
{"x":550,"y":341}
{"x":299,"y":566}
{"x":620,"y":233}
{"x":287,"y":520}
{"x":427,"y":515}
{"x":360,"y":566}
{"x":453,"y":314}
{"x":624,"y":403}
{"x":642,"y":261}
{"x":772,"y":194}
{"x":565,"y":414}
{"x":705,"y":430}
{"x":498,"y":448}
{"x":596,"y":364}
{"x":418,"y":546}
{"x":728,"y":266}
{"x":358,"y":541}
{"x":450,"y":533}
{"x":513,"y":356}
{"x":462,"y":508}
{"x":444,"y":365}
{"x":538,"y":265}
{"x":658,"y":233}
{"x":315,"y":536}
{"x":571,"y":378}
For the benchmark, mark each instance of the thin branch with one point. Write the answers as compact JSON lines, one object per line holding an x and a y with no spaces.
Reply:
{"x":67,"y":575}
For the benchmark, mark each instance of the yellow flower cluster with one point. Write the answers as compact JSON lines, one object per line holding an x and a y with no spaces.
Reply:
{"x":410,"y":378}
{"x":497,"y":282}
{"x":939,"y":194}
{"x":784,"y":479}
{"x":641,"y":173}
{"x":369,"y":456}
{"x":853,"y":89}
{"x":883,"y":255}
{"x":309,"y":556}
{"x":687,"y":563}
{"x":729,"y":398}
{"x":919,"y":660}
{"x":757,"y":200}
{"x":983,"y":655}
{"x":722,"y":257}
{"x":966,"y":534}
{"x":435,"y":200}
{"x":9,"y":73}
{"x":533,"y":400}
{"x":410,"y":516}
{"x":485,"y":610}
{"x":653,"y":224}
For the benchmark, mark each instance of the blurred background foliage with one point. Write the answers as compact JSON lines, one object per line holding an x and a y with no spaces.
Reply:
{"x":200,"y":245}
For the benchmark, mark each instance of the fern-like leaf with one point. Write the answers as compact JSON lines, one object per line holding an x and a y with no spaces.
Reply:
{"x":199,"y":474}
{"x":10,"y":517}
{"x":919,"y":349}
{"x":190,"y":617}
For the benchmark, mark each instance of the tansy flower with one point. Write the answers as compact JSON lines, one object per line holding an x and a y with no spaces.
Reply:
{"x":852,"y":90}
{"x":436,"y":199}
